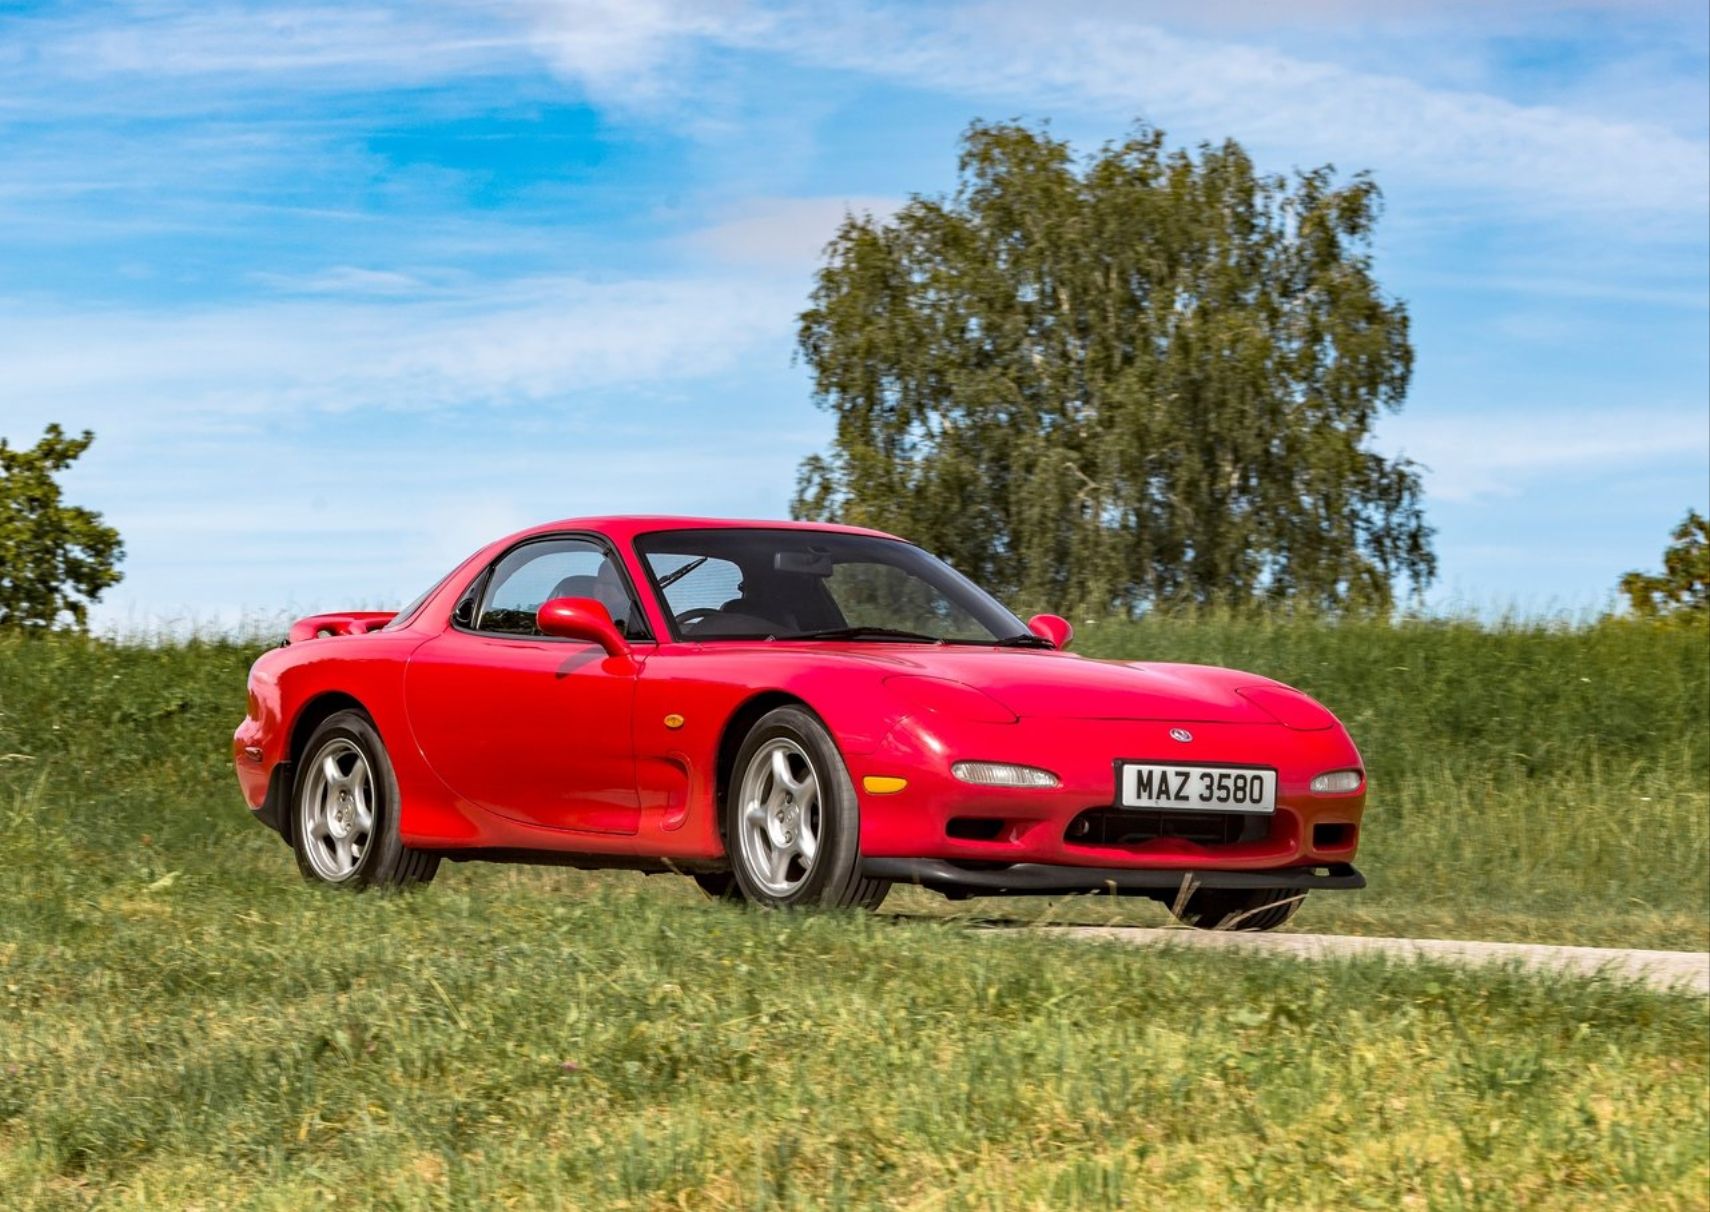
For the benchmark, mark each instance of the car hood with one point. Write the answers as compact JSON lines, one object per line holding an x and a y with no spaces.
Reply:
{"x":1060,"y":685}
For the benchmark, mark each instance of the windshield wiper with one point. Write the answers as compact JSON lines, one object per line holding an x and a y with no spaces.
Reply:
{"x":1025,"y":641}
{"x":677,"y":574}
{"x":863,"y":633}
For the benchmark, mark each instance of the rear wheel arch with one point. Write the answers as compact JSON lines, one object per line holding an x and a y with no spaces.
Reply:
{"x":309,"y":717}
{"x":345,"y":800}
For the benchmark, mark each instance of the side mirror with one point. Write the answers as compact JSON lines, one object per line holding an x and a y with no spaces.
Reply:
{"x":581,"y":619}
{"x":1052,"y":627}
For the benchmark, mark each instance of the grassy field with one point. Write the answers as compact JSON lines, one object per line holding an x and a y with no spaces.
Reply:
{"x":184,"y":1024}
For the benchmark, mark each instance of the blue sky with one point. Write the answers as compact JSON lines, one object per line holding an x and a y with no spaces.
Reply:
{"x":347,"y":289}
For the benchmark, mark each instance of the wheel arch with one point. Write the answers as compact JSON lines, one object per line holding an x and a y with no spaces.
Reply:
{"x":736,"y":729}
{"x":310,"y":716}
{"x":316,"y":711}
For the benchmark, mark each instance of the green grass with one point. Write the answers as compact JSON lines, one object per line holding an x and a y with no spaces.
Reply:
{"x":183,"y":1023}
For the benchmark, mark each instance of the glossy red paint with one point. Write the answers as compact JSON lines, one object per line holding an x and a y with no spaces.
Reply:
{"x":580,"y":742}
{"x":1052,"y":627}
{"x":581,"y":619}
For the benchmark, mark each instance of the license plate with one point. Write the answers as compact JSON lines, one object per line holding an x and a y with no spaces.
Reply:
{"x":1196,"y":788}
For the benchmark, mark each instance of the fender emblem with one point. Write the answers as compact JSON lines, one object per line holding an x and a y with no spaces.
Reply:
{"x":1181,"y":734}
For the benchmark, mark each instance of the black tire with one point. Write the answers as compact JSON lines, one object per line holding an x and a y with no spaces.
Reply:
{"x":377,"y":857}
{"x":1239,"y":908}
{"x":832,"y":879}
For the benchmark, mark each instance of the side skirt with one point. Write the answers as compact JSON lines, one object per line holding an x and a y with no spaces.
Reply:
{"x":646,"y":864}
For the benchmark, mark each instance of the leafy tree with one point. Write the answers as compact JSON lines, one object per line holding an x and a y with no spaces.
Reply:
{"x":1682,"y":589}
{"x":55,"y":559}
{"x":1150,"y":376}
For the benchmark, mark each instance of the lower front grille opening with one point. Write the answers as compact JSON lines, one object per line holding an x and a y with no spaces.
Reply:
{"x":974,"y":828}
{"x":1332,"y":837}
{"x":1128,"y":827}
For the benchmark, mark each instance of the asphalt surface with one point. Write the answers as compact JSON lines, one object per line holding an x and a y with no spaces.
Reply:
{"x":1683,"y":971}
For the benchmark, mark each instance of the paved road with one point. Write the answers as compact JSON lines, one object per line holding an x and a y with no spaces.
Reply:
{"x":1686,"y":971}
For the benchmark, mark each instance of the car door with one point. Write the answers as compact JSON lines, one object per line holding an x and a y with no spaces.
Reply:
{"x":528,"y":726}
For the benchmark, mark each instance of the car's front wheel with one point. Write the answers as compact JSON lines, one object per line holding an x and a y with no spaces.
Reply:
{"x":1239,"y":908}
{"x":792,"y":822}
{"x":344,"y":824}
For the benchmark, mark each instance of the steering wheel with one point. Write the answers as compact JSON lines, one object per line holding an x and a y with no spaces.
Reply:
{"x":695,"y":614}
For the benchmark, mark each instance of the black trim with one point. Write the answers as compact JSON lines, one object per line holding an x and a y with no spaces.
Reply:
{"x":275,"y":810}
{"x":1043,"y":879}
{"x":477,"y":583}
{"x":580,"y":860}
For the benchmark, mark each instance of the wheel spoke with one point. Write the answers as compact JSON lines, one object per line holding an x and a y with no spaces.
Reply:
{"x":777,"y":865}
{"x":781,"y":775}
{"x":807,"y":845}
{"x":341,"y":848}
{"x":755,"y":815}
{"x":330,"y":771}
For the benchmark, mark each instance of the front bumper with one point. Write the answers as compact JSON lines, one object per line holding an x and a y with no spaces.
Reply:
{"x":1044,"y":879}
{"x":968,"y":827}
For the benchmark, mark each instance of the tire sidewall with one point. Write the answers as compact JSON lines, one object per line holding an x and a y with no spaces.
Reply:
{"x":837,"y":865}
{"x":1257,"y":910}
{"x":385,"y":848}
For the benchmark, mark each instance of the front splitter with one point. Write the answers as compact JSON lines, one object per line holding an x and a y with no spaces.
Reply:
{"x":1046,"y":879}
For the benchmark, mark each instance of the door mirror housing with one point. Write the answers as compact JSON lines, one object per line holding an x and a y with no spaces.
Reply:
{"x":581,"y":619}
{"x":1052,"y":627}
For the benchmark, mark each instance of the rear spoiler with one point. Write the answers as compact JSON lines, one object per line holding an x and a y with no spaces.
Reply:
{"x":347,"y":622}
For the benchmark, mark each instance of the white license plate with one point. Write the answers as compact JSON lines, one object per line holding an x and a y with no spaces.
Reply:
{"x":1196,"y":788}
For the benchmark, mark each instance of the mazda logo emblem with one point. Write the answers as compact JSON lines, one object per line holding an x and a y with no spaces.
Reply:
{"x":1181,"y":734}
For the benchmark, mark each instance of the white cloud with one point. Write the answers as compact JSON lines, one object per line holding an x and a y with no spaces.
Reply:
{"x":634,"y":52}
{"x":783,"y":232}
{"x":1093,"y":58}
{"x":1546,"y":158}
{"x":374,"y":43}
{"x":537,"y":339}
{"x":1474,"y":457}
{"x":345,"y":280}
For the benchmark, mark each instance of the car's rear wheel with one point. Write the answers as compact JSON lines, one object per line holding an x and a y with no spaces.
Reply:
{"x":792,"y":822}
{"x":344,"y":824}
{"x":1238,"y":908}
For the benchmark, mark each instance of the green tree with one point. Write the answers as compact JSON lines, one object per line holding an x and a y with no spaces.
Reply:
{"x":1149,"y":376}
{"x":1682,"y":589}
{"x":55,"y":559}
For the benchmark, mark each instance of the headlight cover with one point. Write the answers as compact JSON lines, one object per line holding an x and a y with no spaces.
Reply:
{"x":1338,"y":782}
{"x":943,"y":696}
{"x":1289,"y":707}
{"x":1003,"y":774}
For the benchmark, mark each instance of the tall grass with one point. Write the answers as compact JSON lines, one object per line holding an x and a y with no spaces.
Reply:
{"x":184,"y":1023}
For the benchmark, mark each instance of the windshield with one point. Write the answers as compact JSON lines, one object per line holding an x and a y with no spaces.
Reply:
{"x":803,"y":584}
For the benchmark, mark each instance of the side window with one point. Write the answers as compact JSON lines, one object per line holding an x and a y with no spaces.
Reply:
{"x":553,"y":568}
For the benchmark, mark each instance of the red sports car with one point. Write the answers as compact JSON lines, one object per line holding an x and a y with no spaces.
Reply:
{"x":792,"y":714}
